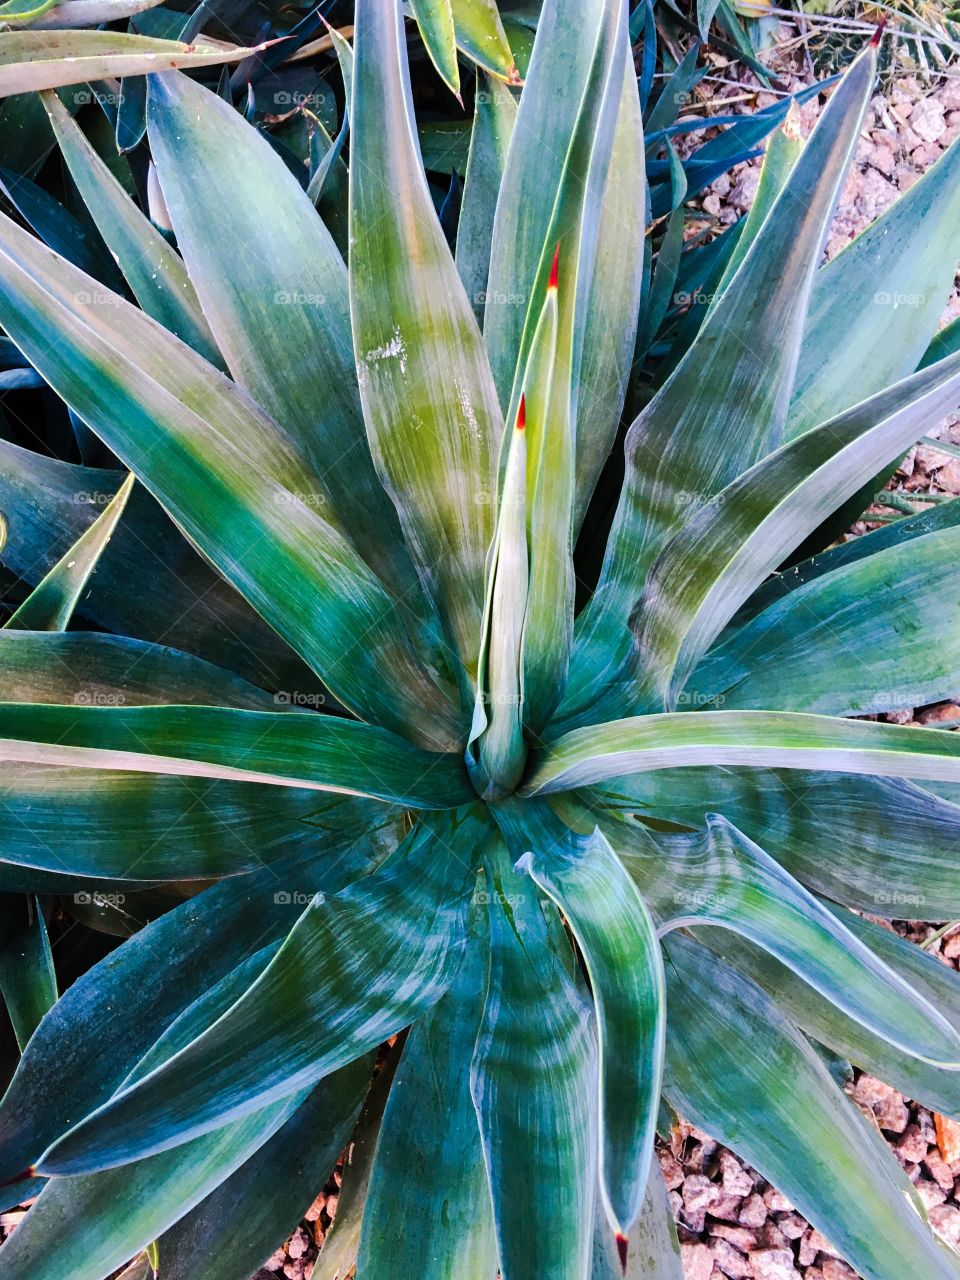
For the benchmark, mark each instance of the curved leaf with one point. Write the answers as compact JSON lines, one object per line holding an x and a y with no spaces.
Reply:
{"x":84,"y":1228}
{"x":932,"y":1086}
{"x":732,"y":542}
{"x":177,"y":958}
{"x":480,"y":34}
{"x":50,"y":605}
{"x":356,"y":968}
{"x":764,"y":739}
{"x":725,"y":404}
{"x":614,"y":931}
{"x":234,"y":1230}
{"x":534,"y":1084}
{"x":152,"y":269}
{"x":227,"y":474}
{"x":319,"y":752}
{"x":281,"y":303}
{"x":880,"y":845}
{"x":720,"y":877}
{"x":430,"y":1128}
{"x":47,"y":60}
{"x":736,"y":1068}
{"x":819,"y":649}
{"x":435,"y":20}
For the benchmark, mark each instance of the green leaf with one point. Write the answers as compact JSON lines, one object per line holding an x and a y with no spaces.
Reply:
{"x":534,"y":1084}
{"x":428,"y":398}
{"x":653,"y":1251}
{"x":876,"y":306}
{"x":548,"y":513}
{"x":24,"y":10}
{"x":178,"y":957}
{"x":494,"y":116}
{"x":357,"y":967}
{"x":614,"y":931}
{"x":319,"y":752}
{"x":49,"y":504}
{"x":613,"y":302}
{"x":737,"y":1068}
{"x":819,"y":649}
{"x":71,"y":14}
{"x":229,"y":476}
{"x":497,"y":761}
{"x":764,"y":739}
{"x":725,"y":404}
{"x":932,"y":1086}
{"x":91,"y":668}
{"x":280,"y":304}
{"x":47,"y":60}
{"x":430,"y":1130}
{"x":84,"y":1228}
{"x":150,"y":266}
{"x":435,"y":20}
{"x":720,"y":877}
{"x":784,"y":147}
{"x":50,"y":605}
{"x":481,"y":35}
{"x":27,"y":977}
{"x":729,"y":545}
{"x":138,"y":826}
{"x":59,"y":228}
{"x":338,"y":1253}
{"x":946,"y":515}
{"x":235,"y":1229}
{"x":862,"y":841}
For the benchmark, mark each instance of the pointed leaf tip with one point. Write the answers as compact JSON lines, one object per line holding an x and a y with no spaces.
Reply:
{"x":554,"y":280}
{"x":878,"y":34}
{"x":622,"y":1251}
{"x":522,"y":413}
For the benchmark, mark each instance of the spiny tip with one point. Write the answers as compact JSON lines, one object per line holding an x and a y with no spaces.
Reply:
{"x":459,"y":98}
{"x":29,"y":1172}
{"x":522,"y":413}
{"x":554,"y":280}
{"x":878,"y":34}
{"x":622,"y":1251}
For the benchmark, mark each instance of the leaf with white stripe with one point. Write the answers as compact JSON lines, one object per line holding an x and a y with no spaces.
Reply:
{"x":534,"y":1084}
{"x":587,"y":881}
{"x":428,"y":397}
{"x":356,"y":968}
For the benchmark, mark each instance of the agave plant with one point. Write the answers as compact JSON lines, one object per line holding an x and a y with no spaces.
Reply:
{"x":574,"y":863}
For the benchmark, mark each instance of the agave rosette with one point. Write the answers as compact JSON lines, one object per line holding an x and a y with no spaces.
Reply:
{"x":588,"y":862}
